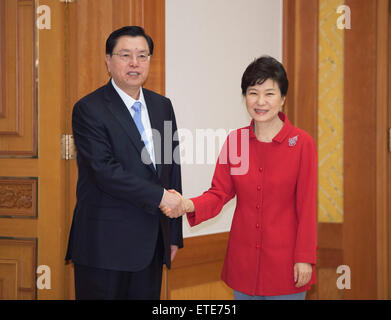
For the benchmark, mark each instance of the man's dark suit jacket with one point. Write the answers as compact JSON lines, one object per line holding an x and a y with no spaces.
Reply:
{"x":116,"y":219}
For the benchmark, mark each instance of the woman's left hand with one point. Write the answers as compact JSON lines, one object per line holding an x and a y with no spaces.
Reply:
{"x":302,"y":274}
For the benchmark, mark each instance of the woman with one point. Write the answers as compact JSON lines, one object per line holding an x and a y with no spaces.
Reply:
{"x":272,"y":246}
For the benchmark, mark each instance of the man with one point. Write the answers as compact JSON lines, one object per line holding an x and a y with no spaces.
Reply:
{"x":119,"y":238}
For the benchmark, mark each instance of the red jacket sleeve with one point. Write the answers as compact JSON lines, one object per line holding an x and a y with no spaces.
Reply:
{"x":306,"y":202}
{"x":210,"y":203}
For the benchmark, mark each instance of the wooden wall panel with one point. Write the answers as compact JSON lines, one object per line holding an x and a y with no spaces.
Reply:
{"x":18,"y":113}
{"x":88,"y":26}
{"x":300,"y":58}
{"x":108,"y":16}
{"x":327,"y":289}
{"x":388,"y":159}
{"x":196,"y":270}
{"x":18,"y":263}
{"x":383,"y":111}
{"x":330,"y":257}
{"x":155,"y":12}
{"x":128,"y":12}
{"x":365,"y":230}
{"x":359,"y":233}
{"x":18,"y":197}
{"x":215,"y":290}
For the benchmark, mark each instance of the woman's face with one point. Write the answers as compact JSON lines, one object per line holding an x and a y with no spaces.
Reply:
{"x":264,"y":101}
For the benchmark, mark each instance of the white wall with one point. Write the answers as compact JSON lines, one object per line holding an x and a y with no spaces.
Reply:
{"x":209,"y":43}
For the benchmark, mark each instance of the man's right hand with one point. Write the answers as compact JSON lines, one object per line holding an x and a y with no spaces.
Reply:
{"x":174,"y":203}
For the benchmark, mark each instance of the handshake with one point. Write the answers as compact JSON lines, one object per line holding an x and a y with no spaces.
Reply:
{"x":173,"y":205}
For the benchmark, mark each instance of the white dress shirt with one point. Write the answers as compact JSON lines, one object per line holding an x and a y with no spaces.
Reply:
{"x":129,"y":101}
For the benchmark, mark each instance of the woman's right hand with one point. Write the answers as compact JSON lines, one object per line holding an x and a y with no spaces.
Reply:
{"x":187,"y":204}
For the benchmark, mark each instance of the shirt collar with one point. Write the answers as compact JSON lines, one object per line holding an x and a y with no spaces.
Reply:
{"x":127,"y":99}
{"x":280,"y":137}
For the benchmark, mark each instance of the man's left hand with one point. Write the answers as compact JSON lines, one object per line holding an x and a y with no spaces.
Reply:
{"x":174,"y":250}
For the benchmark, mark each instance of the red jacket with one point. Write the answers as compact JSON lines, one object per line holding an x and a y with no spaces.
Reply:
{"x":274,"y":224}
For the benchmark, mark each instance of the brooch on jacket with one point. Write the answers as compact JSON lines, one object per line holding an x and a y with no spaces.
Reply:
{"x":292,"y":141}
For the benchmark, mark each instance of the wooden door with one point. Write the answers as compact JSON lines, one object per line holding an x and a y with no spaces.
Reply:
{"x":45,"y":68}
{"x":32,"y":175}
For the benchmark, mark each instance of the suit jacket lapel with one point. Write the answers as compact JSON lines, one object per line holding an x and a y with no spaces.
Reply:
{"x":122,"y":114}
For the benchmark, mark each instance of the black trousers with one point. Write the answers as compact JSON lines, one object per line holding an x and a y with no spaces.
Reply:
{"x":102,"y":284}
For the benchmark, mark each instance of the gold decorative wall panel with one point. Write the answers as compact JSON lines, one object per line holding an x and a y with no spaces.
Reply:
{"x":330,"y":113}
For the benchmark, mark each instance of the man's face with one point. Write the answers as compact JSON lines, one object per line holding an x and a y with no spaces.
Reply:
{"x":127,"y":66}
